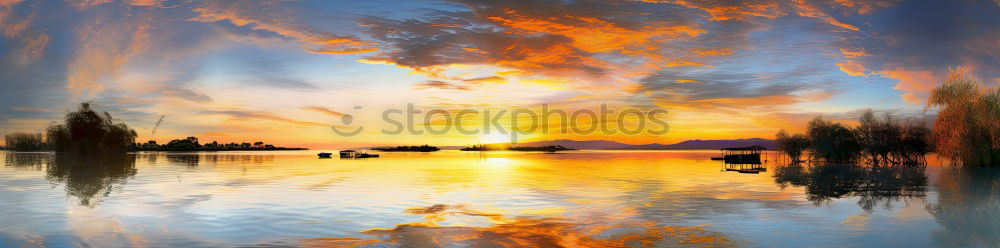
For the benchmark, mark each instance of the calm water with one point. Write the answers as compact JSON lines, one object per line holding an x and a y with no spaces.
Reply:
{"x":463,"y":199}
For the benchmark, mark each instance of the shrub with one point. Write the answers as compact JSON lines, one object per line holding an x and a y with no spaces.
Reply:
{"x":24,"y":141}
{"x":833,"y":141}
{"x":793,"y":145}
{"x":87,"y":132}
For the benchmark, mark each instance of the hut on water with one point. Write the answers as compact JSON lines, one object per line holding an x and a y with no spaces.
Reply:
{"x":742,"y":155}
{"x":356,"y":154}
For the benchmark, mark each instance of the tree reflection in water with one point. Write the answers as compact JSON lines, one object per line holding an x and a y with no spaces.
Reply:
{"x":193,"y":160}
{"x":968,"y":207}
{"x":27,"y":161}
{"x":189,"y":160}
{"x":873,"y":185}
{"x":91,"y":178}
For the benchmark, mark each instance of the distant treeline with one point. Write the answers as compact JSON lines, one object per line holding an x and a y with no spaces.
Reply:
{"x":87,"y":132}
{"x":423,"y":148}
{"x":192,"y":144}
{"x":966,"y":130}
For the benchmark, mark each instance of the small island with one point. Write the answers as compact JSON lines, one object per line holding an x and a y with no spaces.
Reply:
{"x":539,"y":148}
{"x":423,"y":148}
{"x":495,"y":147}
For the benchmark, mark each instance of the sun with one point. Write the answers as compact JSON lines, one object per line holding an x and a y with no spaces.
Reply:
{"x":494,"y":138}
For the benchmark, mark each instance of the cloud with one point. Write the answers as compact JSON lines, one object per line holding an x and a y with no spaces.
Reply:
{"x":712,"y":51}
{"x":272,"y":72}
{"x":853,"y":53}
{"x":184,"y":93}
{"x":274,"y":17}
{"x":324,"y":110}
{"x":907,"y":46}
{"x":103,"y":47}
{"x":720,"y":89}
{"x":592,"y":34}
{"x":428,"y":46}
{"x":35,"y":109}
{"x":731,"y":10}
{"x":806,"y":9}
{"x":916,"y":84}
{"x":435,"y":84}
{"x":865,"y":7}
{"x":482,"y":80}
{"x":583,"y":39}
{"x":31,"y":43}
{"x":852,"y":68}
{"x":261,"y":115}
{"x":681,"y":62}
{"x":10,"y":2}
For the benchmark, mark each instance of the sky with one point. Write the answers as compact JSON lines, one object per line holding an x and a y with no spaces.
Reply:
{"x":286,"y":72}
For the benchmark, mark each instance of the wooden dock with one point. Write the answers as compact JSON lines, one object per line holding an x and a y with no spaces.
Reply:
{"x":742,"y":155}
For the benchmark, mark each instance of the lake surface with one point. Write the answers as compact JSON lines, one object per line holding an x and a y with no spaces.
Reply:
{"x":495,"y":199}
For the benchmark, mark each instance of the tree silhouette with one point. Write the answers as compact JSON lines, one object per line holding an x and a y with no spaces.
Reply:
{"x":88,"y":132}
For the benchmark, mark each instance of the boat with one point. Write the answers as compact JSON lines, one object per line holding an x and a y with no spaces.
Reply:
{"x":324,"y":155}
{"x":718,"y":158}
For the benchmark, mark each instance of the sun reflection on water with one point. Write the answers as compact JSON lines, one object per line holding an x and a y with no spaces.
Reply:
{"x":451,"y":198}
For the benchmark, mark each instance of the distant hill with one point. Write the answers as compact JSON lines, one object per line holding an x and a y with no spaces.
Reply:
{"x":709,"y":144}
{"x":579,"y":144}
{"x":571,"y":144}
{"x":613,"y":145}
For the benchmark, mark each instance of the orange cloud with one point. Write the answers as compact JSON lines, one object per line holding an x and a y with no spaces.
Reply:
{"x":104,"y":47}
{"x":541,"y":57}
{"x":806,"y":9}
{"x":591,"y":34}
{"x":435,"y":84}
{"x":32,"y":42}
{"x":10,"y":27}
{"x":865,"y":7}
{"x":852,"y":68}
{"x":917,"y":84}
{"x":493,"y":79}
{"x":10,"y":2}
{"x":854,"y":53}
{"x":526,"y":42}
{"x":730,"y":10}
{"x":712,"y":51}
{"x":681,"y":62}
